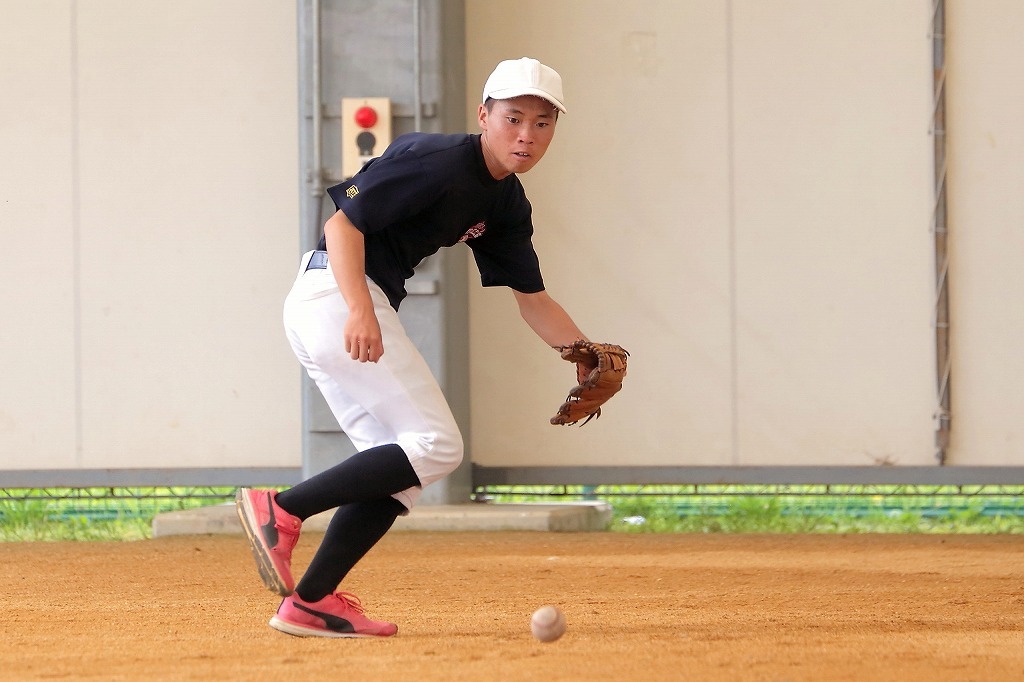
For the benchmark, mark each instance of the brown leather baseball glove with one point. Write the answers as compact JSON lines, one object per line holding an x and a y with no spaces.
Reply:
{"x":600,"y":368}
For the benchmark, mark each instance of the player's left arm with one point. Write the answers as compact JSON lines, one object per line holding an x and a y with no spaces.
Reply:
{"x":548,"y":319}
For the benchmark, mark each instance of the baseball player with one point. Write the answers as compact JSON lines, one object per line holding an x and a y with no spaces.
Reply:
{"x":425,"y":192}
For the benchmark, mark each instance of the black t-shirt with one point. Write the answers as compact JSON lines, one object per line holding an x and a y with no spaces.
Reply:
{"x":427,"y":191}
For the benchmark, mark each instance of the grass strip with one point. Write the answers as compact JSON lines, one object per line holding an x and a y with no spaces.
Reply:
{"x":124,"y":514}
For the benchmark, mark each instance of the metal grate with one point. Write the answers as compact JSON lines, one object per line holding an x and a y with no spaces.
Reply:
{"x":700,"y":490}
{"x":109,"y":503}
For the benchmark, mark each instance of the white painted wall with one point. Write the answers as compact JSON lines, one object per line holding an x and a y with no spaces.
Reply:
{"x":985,"y":108}
{"x":740,"y":195}
{"x":149,"y":219}
{"x":37,"y":293}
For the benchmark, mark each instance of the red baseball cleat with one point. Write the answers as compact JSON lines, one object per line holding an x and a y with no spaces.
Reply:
{"x":336,"y":615}
{"x":272,"y":533}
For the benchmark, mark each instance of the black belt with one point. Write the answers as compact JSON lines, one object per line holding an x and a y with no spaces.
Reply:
{"x":318,"y":261}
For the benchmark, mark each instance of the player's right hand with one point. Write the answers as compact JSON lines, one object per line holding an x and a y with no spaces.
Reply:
{"x":363,"y":340}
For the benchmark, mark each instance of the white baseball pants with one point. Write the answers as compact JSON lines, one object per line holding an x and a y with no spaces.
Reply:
{"x":395,"y":400}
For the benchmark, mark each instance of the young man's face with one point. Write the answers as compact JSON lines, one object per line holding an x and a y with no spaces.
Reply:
{"x":516,"y":133}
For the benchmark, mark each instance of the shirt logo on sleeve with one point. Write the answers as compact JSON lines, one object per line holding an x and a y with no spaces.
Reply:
{"x":352,"y":191}
{"x":475,"y":231}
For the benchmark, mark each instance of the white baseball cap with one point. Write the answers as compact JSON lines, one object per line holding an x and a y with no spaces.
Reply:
{"x":525,"y":76}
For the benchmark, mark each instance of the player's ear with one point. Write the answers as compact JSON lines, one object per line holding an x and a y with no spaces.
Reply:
{"x":481,"y":116}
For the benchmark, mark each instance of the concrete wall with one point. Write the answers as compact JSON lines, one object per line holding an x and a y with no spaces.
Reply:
{"x":740,"y":195}
{"x":985,"y":108}
{"x":149,"y":223}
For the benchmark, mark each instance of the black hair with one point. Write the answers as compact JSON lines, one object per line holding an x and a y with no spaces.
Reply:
{"x":489,"y":102}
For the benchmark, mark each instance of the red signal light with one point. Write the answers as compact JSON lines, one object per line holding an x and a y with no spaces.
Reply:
{"x":366,"y":117}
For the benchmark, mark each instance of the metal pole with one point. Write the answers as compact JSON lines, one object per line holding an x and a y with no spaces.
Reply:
{"x":939,"y":229}
{"x":417,"y":96}
{"x":317,"y":189}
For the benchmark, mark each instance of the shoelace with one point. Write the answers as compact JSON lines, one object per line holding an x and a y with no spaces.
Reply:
{"x":351,"y":600}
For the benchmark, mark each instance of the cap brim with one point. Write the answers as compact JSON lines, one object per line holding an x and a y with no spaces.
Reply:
{"x":509,"y":93}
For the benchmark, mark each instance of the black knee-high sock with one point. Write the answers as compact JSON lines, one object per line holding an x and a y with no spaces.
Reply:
{"x":353,"y":532}
{"x":368,"y":475}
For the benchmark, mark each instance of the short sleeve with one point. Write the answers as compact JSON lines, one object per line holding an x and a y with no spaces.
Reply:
{"x":386,"y":191}
{"x":504,"y":254}
{"x":516,"y":267}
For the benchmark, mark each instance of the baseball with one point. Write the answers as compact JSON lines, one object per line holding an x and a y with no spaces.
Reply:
{"x":547,"y":623}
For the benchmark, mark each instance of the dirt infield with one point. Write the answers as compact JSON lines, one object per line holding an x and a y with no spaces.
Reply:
{"x":640,"y":607}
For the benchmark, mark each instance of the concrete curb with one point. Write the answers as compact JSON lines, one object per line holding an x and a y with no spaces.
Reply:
{"x":564,"y":517}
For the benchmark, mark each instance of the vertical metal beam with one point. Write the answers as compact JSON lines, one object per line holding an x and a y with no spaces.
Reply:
{"x":417,"y":62}
{"x":317,"y":171}
{"x":730,"y":103}
{"x":311,"y":116}
{"x":939,"y":230}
